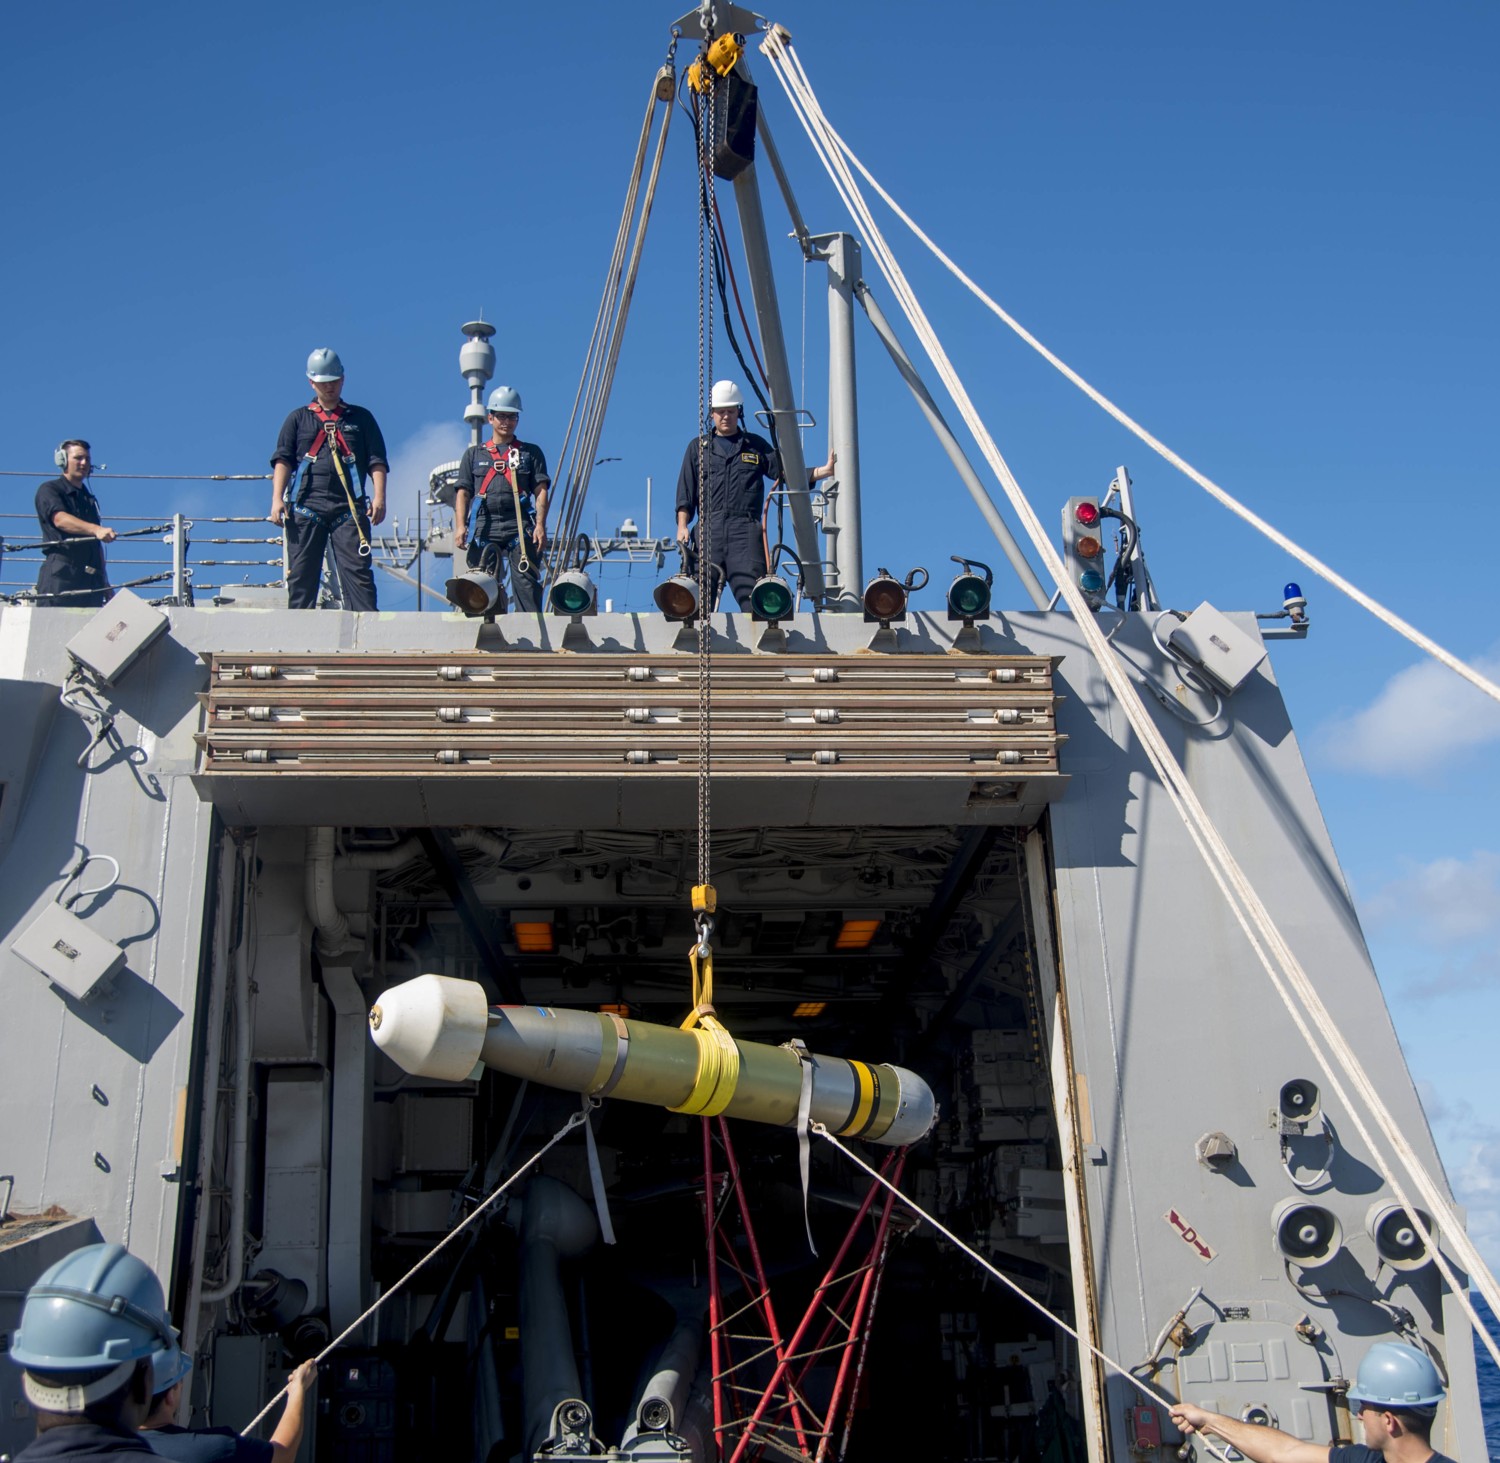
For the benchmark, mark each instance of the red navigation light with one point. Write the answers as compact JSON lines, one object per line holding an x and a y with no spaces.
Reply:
{"x":1087,"y":513}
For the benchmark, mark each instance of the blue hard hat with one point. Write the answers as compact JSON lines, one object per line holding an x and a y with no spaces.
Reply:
{"x":167,"y":1369}
{"x":98,"y":1307}
{"x":1398,"y":1376}
{"x":324,"y":365}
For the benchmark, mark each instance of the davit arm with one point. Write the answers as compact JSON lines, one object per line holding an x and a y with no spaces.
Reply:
{"x":435,"y":1026}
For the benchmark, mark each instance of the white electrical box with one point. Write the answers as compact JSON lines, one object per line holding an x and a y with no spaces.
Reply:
{"x":1223,"y":652}
{"x":71,"y":955}
{"x":110,"y":643}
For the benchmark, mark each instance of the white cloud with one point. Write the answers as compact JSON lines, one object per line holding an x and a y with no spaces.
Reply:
{"x":1421,"y":716}
{"x":1452,"y":901}
{"x":413,"y":459}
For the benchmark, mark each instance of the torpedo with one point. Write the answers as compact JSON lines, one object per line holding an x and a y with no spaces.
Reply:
{"x":435,"y":1026}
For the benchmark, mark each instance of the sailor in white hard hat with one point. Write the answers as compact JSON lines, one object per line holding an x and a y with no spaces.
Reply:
{"x":1395,"y":1396}
{"x":325,"y":454}
{"x":737,"y":463}
{"x":499,"y":477}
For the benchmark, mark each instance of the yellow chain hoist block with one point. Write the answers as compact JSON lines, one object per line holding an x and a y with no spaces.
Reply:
{"x":705,"y":899}
{"x":725,"y":53}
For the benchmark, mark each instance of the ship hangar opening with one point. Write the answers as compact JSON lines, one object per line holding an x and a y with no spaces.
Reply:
{"x":915,"y":945}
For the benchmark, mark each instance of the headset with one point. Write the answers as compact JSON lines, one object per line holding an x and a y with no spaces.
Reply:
{"x":60,"y":456}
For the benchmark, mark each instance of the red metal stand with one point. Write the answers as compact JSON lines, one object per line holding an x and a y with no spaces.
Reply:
{"x":779,"y":1415}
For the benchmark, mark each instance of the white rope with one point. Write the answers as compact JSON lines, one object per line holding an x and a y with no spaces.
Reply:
{"x":1311,"y":561}
{"x":1274,"y":954}
{"x":458,"y":1229}
{"x":1145,"y":1389}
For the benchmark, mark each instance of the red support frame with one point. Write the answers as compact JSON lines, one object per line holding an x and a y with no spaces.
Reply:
{"x":848,"y":1299}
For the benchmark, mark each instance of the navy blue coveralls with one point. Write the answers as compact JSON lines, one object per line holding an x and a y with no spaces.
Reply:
{"x":496,"y":539}
{"x":72,"y":570}
{"x":318,"y":516}
{"x":737,"y":466}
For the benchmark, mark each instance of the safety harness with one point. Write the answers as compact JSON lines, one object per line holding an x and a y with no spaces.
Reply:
{"x":331,"y":434}
{"x":510,"y":469}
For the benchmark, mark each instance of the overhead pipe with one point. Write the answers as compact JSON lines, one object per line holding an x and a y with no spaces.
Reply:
{"x":436,"y":1026}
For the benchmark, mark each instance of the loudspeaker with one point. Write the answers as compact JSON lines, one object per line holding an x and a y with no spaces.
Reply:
{"x":1396,"y":1239}
{"x":1299,"y":1101}
{"x":1306,"y":1233}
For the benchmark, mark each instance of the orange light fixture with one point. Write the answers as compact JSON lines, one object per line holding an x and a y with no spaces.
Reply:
{"x":856,"y":934}
{"x":807,"y":1009}
{"x":534,"y":937}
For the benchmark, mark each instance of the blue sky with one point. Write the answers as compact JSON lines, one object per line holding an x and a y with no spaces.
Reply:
{"x":1268,"y":232}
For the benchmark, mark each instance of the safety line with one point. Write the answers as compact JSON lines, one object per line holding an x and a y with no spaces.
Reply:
{"x":1250,"y":912}
{"x":1146,"y":1390}
{"x":574,"y":1121}
{"x":1309,"y":560}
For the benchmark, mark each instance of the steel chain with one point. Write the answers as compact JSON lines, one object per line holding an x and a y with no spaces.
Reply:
{"x":705,"y":526}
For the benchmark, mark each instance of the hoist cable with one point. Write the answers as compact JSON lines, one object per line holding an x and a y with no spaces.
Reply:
{"x":586,"y":423}
{"x":1269,"y":945}
{"x":574,"y":1121}
{"x":1303,"y":556}
{"x":704,"y":104}
{"x":584,"y":459}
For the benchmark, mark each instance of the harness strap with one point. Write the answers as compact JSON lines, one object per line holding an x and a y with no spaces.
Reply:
{"x":328,"y":418}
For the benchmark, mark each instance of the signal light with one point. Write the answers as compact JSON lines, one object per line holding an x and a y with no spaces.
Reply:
{"x":806,"y":1010}
{"x":677,"y":598}
{"x":572,"y":593}
{"x":969,"y":594}
{"x":1083,"y":548}
{"x":474,"y":592}
{"x":770,"y":599}
{"x":885,"y":599}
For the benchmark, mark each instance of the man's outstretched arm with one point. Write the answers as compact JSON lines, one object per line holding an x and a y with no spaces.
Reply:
{"x":1257,"y":1443}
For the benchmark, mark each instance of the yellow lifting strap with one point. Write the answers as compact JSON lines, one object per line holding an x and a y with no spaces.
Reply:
{"x":718,"y":1056}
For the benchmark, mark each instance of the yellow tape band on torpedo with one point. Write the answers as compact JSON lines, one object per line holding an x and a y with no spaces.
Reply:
{"x":718,"y":1072}
{"x":867,"y":1090}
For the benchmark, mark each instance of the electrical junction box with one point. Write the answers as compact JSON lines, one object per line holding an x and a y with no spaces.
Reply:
{"x":1224,"y":653}
{"x":68,"y":952}
{"x":111,"y":642}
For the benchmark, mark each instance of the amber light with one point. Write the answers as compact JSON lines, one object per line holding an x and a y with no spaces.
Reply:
{"x":1089,"y":547}
{"x":534,"y":937}
{"x":614,"y":1008}
{"x":856,"y":934}
{"x":808,"y":1009}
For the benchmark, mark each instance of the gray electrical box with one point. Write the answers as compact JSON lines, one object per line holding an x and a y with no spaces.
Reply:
{"x":68,"y":952}
{"x":1224,"y":653}
{"x":109,"y":644}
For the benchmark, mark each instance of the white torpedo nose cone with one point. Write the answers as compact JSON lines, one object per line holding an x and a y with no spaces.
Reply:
{"x":432,"y":1026}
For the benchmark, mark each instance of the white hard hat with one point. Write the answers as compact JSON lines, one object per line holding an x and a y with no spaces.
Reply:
{"x":726,"y":393}
{"x":505,"y":398}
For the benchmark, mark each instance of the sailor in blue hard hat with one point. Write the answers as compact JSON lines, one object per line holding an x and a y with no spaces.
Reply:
{"x":211,"y":1444}
{"x":1395,"y":1396}
{"x":90,"y":1329}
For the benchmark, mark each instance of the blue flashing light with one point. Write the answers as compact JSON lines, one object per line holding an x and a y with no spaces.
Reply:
{"x":1292,"y":591}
